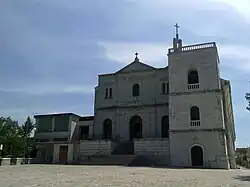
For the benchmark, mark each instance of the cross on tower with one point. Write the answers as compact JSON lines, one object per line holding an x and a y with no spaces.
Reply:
{"x":177,"y":30}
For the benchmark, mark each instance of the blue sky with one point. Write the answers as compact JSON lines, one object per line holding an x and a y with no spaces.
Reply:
{"x":51,"y":51}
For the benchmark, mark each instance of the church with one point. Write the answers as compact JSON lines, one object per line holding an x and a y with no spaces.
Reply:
{"x":178,"y":116}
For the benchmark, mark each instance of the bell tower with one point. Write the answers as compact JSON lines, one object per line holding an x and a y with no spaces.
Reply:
{"x":177,"y":43}
{"x":196,"y":119}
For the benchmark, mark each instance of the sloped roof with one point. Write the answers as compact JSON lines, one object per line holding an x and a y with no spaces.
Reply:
{"x":136,"y":66}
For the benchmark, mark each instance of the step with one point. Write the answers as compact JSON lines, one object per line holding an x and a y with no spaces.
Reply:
{"x":141,"y":160}
{"x":124,"y":148}
{"x":109,"y":160}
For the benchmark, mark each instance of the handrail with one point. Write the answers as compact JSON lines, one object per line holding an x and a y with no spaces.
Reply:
{"x":194,"y":47}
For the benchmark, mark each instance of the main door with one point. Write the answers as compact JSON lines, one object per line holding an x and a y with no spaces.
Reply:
{"x":135,"y":127}
{"x":63,"y":154}
{"x":197,"y":156}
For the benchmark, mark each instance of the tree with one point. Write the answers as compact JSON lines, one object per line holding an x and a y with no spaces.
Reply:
{"x":248,"y":100}
{"x":12,"y":137}
{"x":28,"y":127}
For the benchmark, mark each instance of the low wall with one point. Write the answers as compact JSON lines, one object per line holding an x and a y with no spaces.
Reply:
{"x":96,"y":147}
{"x":151,"y":146}
{"x":16,"y":161}
{"x":5,"y":161}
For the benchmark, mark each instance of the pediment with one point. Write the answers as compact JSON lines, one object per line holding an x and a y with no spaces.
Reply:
{"x":136,"y":67}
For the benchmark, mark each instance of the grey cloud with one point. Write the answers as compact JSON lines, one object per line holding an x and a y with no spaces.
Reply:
{"x":57,"y":41}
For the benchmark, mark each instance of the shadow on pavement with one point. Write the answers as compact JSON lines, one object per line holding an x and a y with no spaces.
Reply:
{"x":243,"y":178}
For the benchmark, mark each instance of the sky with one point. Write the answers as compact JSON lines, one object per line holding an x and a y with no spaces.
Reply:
{"x":51,"y":51}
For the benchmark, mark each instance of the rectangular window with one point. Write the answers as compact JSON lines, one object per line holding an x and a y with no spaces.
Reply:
{"x":84,"y":132}
{"x":163,"y":88}
{"x":110,"y":93}
{"x":106,"y":93}
{"x":167,"y":88}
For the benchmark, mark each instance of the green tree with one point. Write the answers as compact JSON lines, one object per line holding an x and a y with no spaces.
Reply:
{"x":12,"y":137}
{"x":28,"y":127}
{"x":248,"y":100}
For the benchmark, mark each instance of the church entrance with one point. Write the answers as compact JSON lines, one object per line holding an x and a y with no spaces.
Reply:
{"x":135,"y":127}
{"x":197,"y":156}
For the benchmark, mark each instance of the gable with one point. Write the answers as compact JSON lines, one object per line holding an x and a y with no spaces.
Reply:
{"x":136,"y":67}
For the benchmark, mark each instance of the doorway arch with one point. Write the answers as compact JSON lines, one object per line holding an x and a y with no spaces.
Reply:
{"x":135,"y":126}
{"x":107,"y":129}
{"x":165,"y":127}
{"x":197,"y":156}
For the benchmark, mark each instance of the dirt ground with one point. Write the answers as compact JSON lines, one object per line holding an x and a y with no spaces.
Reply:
{"x":80,"y":176}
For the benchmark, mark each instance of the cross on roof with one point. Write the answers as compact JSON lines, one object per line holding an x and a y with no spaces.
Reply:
{"x":177,"y":28}
{"x":136,"y":55}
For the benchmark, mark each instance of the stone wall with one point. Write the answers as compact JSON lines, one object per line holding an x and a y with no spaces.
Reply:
{"x":151,"y":147}
{"x":212,"y":143}
{"x":95,"y":147}
{"x":229,"y":122}
{"x":151,"y":121}
{"x":151,"y":105}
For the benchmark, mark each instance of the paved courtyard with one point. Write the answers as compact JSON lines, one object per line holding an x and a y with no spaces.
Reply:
{"x":79,"y":176}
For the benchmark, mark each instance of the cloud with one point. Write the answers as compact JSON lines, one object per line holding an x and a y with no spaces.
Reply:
{"x":235,"y":56}
{"x":52,"y":51}
{"x":51,"y":89}
{"x":151,"y":53}
{"x":242,"y":7}
{"x":240,"y":110}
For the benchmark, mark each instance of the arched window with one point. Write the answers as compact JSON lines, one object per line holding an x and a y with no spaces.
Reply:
{"x":135,"y":127}
{"x":193,"y":77}
{"x":165,"y":127}
{"x":194,"y":113}
{"x":107,"y":129}
{"x":136,"y":90}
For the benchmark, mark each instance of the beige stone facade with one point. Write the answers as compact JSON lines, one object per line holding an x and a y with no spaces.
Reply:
{"x":180,"y":115}
{"x":212,"y":133}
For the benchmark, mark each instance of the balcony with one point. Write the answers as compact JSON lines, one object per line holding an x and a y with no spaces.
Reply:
{"x":195,"y":123}
{"x":46,"y":135}
{"x":194,"y":47}
{"x":193,"y":86}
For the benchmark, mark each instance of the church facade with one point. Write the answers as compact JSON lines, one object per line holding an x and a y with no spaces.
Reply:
{"x":180,"y":115}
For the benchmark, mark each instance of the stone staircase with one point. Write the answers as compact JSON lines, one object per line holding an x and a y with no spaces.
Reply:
{"x":118,"y":160}
{"x":143,"y":161}
{"x":150,"y":161}
{"x":124,"y":148}
{"x":121,"y":155}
